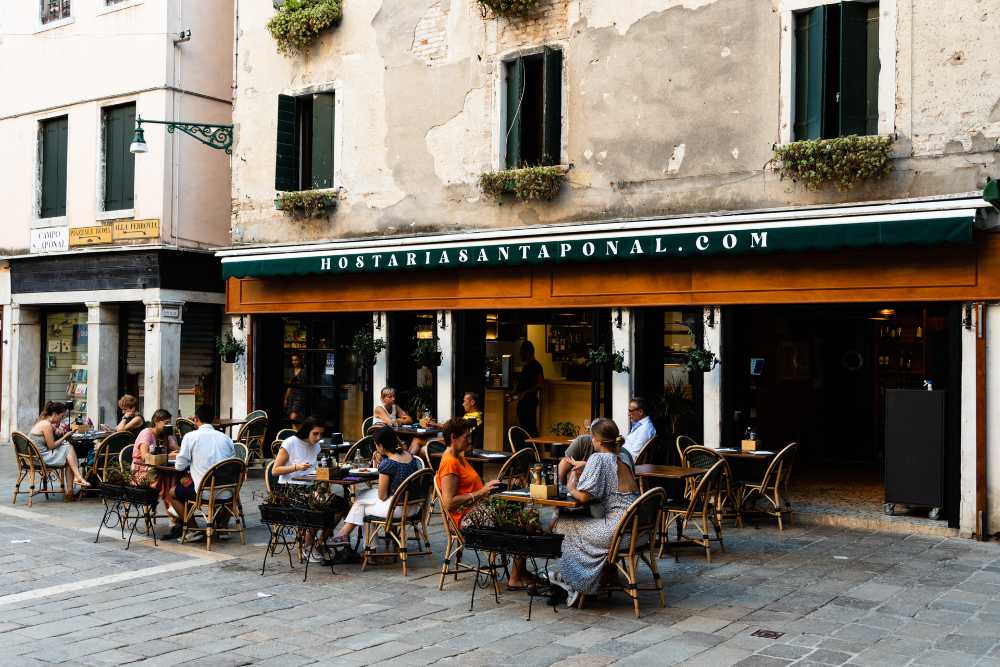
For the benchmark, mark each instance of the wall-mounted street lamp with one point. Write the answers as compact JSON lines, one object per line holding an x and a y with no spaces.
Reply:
{"x":214,"y":136}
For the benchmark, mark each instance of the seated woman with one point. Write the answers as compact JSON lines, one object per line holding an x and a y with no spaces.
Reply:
{"x":395,"y":464}
{"x":388,"y":413}
{"x":608,"y":479}
{"x":131,"y":419}
{"x":298,"y":452}
{"x":461,"y":487}
{"x":156,"y":434}
{"x":56,"y":452}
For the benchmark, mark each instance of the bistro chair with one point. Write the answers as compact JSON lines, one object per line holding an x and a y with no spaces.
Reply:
{"x":519,"y":439}
{"x":730,"y":498}
{"x":255,"y":414}
{"x":182,"y":427}
{"x":241,"y":451}
{"x":125,"y":456}
{"x":366,"y":424}
{"x":647,"y":451}
{"x":283,"y":435}
{"x":270,"y":479}
{"x":217,"y":496}
{"x":411,"y":502}
{"x":433,"y":452}
{"x":252,"y":434}
{"x":32,"y":467}
{"x":516,"y":471}
{"x":698,"y":514}
{"x":682,"y":443}
{"x":366,"y":446}
{"x":454,"y":547}
{"x":107,"y":454}
{"x":773,"y":488}
{"x":634,"y":539}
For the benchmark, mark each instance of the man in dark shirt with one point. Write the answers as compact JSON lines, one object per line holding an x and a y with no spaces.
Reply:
{"x":529,"y":384}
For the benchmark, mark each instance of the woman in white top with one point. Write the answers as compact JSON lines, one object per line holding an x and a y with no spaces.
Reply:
{"x":298,"y":453}
{"x":390,"y":414}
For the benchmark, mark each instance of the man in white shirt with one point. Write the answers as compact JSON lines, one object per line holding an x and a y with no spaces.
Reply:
{"x":641,"y":427}
{"x":200,"y":450}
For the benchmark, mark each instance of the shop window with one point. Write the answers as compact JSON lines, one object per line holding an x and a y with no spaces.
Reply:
{"x":54,"y":10}
{"x":305,"y":142}
{"x":65,"y":373}
{"x":836,"y":70}
{"x":53,"y":135}
{"x":119,"y":162}
{"x":533,"y":114}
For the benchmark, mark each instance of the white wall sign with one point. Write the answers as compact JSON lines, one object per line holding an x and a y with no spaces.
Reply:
{"x":51,"y":239}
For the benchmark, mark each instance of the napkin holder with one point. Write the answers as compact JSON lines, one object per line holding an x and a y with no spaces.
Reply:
{"x":749,"y":445}
{"x":543,"y":491}
{"x":80,"y":428}
{"x":324,"y":474}
{"x":155,"y":459}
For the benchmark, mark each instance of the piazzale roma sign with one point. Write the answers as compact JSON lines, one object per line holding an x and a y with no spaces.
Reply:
{"x":673,"y":244}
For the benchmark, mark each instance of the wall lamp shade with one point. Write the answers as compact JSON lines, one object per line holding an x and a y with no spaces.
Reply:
{"x":139,"y":141}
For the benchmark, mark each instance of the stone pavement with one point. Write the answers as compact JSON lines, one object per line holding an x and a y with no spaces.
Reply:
{"x":836,"y":596}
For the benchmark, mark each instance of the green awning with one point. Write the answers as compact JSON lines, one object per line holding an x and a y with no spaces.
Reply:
{"x":642,"y":245}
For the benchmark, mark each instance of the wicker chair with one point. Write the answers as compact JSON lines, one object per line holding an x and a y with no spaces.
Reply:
{"x":255,"y":414}
{"x":252,"y":434}
{"x":727,"y":504}
{"x":773,"y":487}
{"x":518,"y":439}
{"x":454,"y":547}
{"x":107,"y":454}
{"x":182,"y":427}
{"x":516,"y":471}
{"x":366,"y":424}
{"x":634,"y":539}
{"x":647,"y":451}
{"x":218,"y":492}
{"x":412,"y":500}
{"x":241,"y":451}
{"x":698,"y":513}
{"x":682,"y":443}
{"x":32,"y":467}
{"x":125,"y":456}
{"x":270,"y":479}
{"x":283,"y":435}
{"x":365,"y":445}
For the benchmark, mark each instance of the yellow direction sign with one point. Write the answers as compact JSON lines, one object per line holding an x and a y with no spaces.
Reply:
{"x":95,"y":235}
{"x":127,"y":230}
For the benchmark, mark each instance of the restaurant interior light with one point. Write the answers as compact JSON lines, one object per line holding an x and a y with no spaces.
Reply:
{"x":887,"y":312}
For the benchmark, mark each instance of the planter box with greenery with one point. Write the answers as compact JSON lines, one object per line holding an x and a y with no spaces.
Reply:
{"x":427,"y":353}
{"x":527,"y":184}
{"x":507,"y":527}
{"x":701,"y":361}
{"x":599,"y":357}
{"x":507,"y":8}
{"x":229,"y":348}
{"x":297,"y":23}
{"x":311,"y":203}
{"x":843,"y":161}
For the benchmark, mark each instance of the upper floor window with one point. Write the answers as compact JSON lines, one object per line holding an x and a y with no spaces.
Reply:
{"x":305,"y":142}
{"x":119,"y":162}
{"x":533,"y":114}
{"x":54,"y":133}
{"x":836,"y":70}
{"x":54,"y":10}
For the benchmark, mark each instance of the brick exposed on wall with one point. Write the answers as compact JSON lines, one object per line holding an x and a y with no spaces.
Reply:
{"x":547,"y":24}
{"x":430,"y":37}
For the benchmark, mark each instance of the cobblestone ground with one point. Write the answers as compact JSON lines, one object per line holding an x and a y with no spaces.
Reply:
{"x":837,"y":597}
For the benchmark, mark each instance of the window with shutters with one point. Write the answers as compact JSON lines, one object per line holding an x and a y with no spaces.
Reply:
{"x":836,"y":54}
{"x":119,"y":163}
{"x":305,"y":147}
{"x":53,"y":133}
{"x":533,"y":112}
{"x":54,"y":10}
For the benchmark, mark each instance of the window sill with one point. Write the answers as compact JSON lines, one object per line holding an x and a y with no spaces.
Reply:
{"x":43,"y":223}
{"x":52,"y":25}
{"x":781,"y":144}
{"x":111,"y":9}
{"x":123,"y":214}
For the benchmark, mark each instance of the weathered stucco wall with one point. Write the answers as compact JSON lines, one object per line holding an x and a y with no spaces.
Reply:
{"x":670,"y":107}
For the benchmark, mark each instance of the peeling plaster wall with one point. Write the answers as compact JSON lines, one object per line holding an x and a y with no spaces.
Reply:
{"x":670,"y":107}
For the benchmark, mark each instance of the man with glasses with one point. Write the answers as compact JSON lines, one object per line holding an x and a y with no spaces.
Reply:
{"x":641,"y":427}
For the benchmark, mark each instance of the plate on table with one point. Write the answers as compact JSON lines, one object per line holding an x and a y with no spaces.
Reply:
{"x":761,"y":452}
{"x":727,"y":449}
{"x":363,"y":471}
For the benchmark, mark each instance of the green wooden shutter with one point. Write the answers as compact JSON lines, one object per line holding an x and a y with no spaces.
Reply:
{"x":810,"y":73}
{"x":552,"y":106}
{"x":515,"y":95}
{"x":322,"y":141}
{"x":874,"y":70}
{"x":286,"y":172}
{"x":854,"y":57}
{"x":119,"y":163}
{"x":54,"y":135}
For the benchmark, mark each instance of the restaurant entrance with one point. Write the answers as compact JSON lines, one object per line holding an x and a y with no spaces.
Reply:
{"x":572,"y":389}
{"x":828,"y":378}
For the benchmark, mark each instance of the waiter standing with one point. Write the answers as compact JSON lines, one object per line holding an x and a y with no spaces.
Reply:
{"x":529,"y":384}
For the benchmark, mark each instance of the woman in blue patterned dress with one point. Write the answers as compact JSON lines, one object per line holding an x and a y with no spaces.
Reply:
{"x":608,"y":484}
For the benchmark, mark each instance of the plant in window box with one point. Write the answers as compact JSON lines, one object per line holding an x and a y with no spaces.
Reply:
{"x":507,"y":8}
{"x":427,"y":353}
{"x":229,"y":348}
{"x":312,"y":203}
{"x":844,"y":161}
{"x":297,"y":23}
{"x":700,"y":360}
{"x":502,"y":526}
{"x":526,"y":184}
{"x":599,"y":357}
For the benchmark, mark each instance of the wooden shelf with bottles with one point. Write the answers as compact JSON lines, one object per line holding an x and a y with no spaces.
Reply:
{"x":901,"y":349}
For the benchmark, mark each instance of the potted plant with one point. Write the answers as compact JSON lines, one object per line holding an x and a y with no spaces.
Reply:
{"x":565,"y":429}
{"x":677,"y":403}
{"x":310,"y":203}
{"x":427,"y":353}
{"x":502,"y":526}
{"x":701,"y":360}
{"x":526,"y":184}
{"x":229,"y":348}
{"x":843,"y":161}
{"x":507,"y":8}
{"x":598,"y":356}
{"x":298,"y":23}
{"x":367,"y":347}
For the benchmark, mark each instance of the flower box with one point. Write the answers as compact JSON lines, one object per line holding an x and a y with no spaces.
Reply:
{"x":278,"y":515}
{"x":144,"y":495}
{"x":544,"y":545}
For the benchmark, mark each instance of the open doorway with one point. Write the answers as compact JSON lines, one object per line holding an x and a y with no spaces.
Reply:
{"x":829,"y":377}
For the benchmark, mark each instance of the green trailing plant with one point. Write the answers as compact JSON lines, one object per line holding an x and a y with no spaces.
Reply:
{"x":565,"y":429}
{"x":700,"y":360}
{"x":367,"y":348}
{"x":298,"y":23}
{"x":504,"y":515}
{"x":314,"y":203}
{"x":599,"y":356}
{"x":229,"y":348}
{"x":418,"y":401}
{"x":427,"y":353}
{"x":527,"y":184}
{"x":507,"y":8}
{"x":843,"y":161}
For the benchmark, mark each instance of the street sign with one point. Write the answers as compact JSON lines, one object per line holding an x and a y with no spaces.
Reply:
{"x":127,"y":230}
{"x":94,"y":235}
{"x":50,"y":239}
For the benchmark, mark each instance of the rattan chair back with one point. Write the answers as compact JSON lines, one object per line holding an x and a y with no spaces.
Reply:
{"x":516,"y":471}
{"x":31,"y":464}
{"x":183,"y":426}
{"x":108,"y":451}
{"x":682,"y":443}
{"x":255,"y":414}
{"x":242,"y":451}
{"x":435,"y":446}
{"x":706,"y":491}
{"x":648,"y":451}
{"x":412,"y":495}
{"x":450,"y":528}
{"x":365,"y":445}
{"x":779,"y":472}
{"x":638,"y":525}
{"x":252,"y":434}
{"x":270,"y":479}
{"x":518,"y":439}
{"x":125,"y":456}
{"x":367,"y":424}
{"x":26,"y":451}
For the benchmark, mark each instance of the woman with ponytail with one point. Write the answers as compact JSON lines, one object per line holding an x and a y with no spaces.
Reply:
{"x":395,"y":464}
{"x":608,"y":484}
{"x":56,"y":452}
